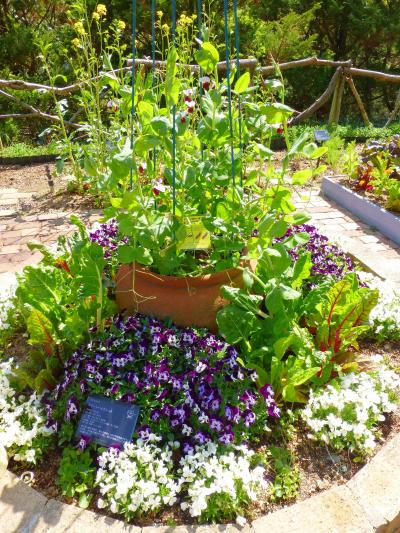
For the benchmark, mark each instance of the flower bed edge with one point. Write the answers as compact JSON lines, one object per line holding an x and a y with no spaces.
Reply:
{"x":367,"y":501}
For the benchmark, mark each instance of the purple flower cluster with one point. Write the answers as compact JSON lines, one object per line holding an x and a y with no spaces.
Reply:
{"x":107,"y":236}
{"x":327,"y":258}
{"x":188,"y":383}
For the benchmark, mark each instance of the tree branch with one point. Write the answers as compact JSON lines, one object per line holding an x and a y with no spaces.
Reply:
{"x":36,"y":112}
{"x":320,"y":101}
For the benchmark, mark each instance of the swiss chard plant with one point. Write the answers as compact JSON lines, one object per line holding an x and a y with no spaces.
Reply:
{"x":290,"y":335}
{"x":60,"y":300}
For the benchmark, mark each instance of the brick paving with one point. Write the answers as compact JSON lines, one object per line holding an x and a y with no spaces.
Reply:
{"x":17,"y":231}
{"x":377,"y":253}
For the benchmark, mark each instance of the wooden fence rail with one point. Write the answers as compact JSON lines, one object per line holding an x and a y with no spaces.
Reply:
{"x":344,"y":73}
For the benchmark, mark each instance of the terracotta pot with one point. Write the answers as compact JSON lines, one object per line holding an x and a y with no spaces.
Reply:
{"x":187,"y":301}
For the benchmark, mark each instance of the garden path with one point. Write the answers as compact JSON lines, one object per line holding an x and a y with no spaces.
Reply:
{"x":376,"y":252}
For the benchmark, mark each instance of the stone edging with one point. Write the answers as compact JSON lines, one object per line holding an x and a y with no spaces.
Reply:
{"x":370,"y":500}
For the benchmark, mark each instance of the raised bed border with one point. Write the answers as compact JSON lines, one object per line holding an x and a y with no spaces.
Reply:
{"x":385,"y":222}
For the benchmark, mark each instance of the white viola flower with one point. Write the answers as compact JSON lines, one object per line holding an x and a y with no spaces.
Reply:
{"x":343,"y":413}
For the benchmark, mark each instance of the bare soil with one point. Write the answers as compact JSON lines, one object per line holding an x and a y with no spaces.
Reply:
{"x":49,"y":191}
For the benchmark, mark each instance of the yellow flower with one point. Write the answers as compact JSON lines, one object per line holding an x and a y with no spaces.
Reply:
{"x":121,"y":25}
{"x":160,"y":14}
{"x":96,"y":16}
{"x":101,"y":10}
{"x":165,"y":28}
{"x":79,"y":27}
{"x":76,"y":42}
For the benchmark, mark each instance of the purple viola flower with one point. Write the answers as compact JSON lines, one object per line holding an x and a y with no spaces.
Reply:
{"x":189,"y":337}
{"x":227,"y":436}
{"x":177,"y":383}
{"x":52,"y":424}
{"x":215,"y":403}
{"x":232,"y":413}
{"x":166,"y":409}
{"x":202,"y":365}
{"x":249,"y":418}
{"x":188,"y":447}
{"x":83,"y":442}
{"x":91,"y":367}
{"x":216,"y":423}
{"x":115,"y":388}
{"x":273,"y":410}
{"x":266,"y":391}
{"x":202,"y":437}
{"x":162,"y":373}
{"x":163,"y":394}
{"x":155,"y":415}
{"x":115,"y":448}
{"x":248,"y":398}
{"x":144,"y":432}
{"x":83,"y":385}
{"x":128,"y":397}
{"x":72,"y":407}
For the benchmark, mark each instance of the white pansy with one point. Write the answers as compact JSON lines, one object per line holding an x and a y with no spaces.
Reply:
{"x":209,"y":472}
{"x":345,"y":414}
{"x":8,"y":286}
{"x":385,"y":316}
{"x":22,"y":420}
{"x":138,"y":479}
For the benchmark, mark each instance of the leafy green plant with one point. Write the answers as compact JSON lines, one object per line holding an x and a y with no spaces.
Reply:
{"x":339,"y":316}
{"x":59,"y":301}
{"x":77,"y":475}
{"x":286,"y":480}
{"x":265,"y":318}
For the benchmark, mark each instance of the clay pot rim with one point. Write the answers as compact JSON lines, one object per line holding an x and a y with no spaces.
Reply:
{"x":181,"y":281}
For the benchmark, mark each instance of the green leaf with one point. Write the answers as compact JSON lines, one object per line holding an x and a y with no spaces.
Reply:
{"x":263,"y":150}
{"x":302,"y":176}
{"x":145,"y":112}
{"x":172,"y":83}
{"x":236,"y":324}
{"x":249,"y":302}
{"x":302,"y":376}
{"x":319,"y":152}
{"x":207,"y":57}
{"x":276,"y":113}
{"x":242,"y":83}
{"x":129,"y":254}
{"x":144,"y":143}
{"x":161,"y":126}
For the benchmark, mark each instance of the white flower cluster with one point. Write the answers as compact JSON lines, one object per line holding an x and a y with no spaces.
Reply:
{"x":207,"y":474}
{"x":136,"y":480}
{"x":345,"y":413}
{"x":141,"y":478}
{"x":22,"y":420}
{"x":8,"y":286}
{"x":385,"y":316}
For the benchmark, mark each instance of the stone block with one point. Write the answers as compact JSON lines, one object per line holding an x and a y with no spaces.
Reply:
{"x":377,"y":485}
{"x":333,"y":511}
{"x":58,"y":517}
{"x":20,"y":505}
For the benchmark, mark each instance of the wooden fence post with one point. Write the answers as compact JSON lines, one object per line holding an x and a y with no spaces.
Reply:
{"x":360,"y":104}
{"x":334,"y":114}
